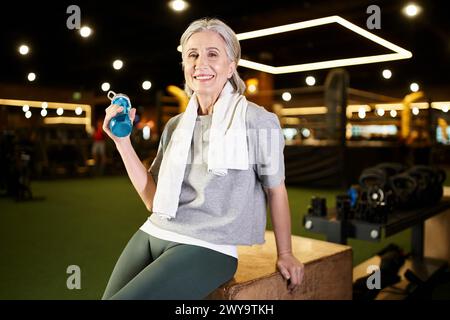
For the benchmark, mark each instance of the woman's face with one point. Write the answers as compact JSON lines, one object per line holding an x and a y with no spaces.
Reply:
{"x":206,"y":64}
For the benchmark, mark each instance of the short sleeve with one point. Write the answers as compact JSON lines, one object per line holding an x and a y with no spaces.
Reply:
{"x":156,"y":164}
{"x":269,"y":151}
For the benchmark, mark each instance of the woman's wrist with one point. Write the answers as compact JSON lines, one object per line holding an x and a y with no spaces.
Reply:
{"x":122,"y":143}
{"x":284,"y":253}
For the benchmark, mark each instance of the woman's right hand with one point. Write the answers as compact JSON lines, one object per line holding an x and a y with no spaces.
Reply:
{"x":111,"y":112}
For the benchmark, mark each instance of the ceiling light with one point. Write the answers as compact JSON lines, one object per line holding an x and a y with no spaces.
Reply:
{"x":286,"y":96}
{"x":310,"y":81}
{"x":393,"y":113}
{"x":389,"y":106}
{"x":85,"y":31}
{"x":414,"y":87}
{"x":59,"y":111}
{"x":28,"y":114}
{"x":387,"y":74}
{"x":441,"y":105}
{"x":86,"y":120}
{"x":25,"y":108}
{"x":78,"y":111}
{"x":146,"y":85}
{"x":117,"y":64}
{"x":415,"y":111}
{"x":380,"y":112}
{"x":24,"y":49}
{"x":399,"y":53}
{"x":178,"y":5}
{"x":306,"y":132}
{"x":65,"y":120}
{"x":43,"y":112}
{"x":105,"y":86}
{"x":362,"y":113}
{"x":411,"y":10}
{"x":31,"y":76}
{"x":303,"y":111}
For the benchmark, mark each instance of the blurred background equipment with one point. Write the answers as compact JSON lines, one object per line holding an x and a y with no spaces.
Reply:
{"x":16,"y":159}
{"x":389,"y":198}
{"x":336,"y":87}
{"x":383,"y":191}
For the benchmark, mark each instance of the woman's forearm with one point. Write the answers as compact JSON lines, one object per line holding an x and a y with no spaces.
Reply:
{"x":141,"y":179}
{"x":281,"y":218}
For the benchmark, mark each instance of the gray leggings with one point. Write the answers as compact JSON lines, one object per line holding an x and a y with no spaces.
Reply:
{"x":151,"y":268}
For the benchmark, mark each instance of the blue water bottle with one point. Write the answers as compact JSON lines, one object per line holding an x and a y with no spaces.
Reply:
{"x":121,"y":124}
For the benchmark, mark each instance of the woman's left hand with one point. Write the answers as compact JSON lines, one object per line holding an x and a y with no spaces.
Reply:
{"x":291,"y":269}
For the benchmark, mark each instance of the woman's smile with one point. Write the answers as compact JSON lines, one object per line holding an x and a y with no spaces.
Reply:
{"x":203,"y":77}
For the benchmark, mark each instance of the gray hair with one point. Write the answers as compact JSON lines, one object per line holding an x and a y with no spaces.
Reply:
{"x":233,"y":48}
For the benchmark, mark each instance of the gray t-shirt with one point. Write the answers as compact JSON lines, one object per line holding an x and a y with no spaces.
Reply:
{"x":228,"y":209}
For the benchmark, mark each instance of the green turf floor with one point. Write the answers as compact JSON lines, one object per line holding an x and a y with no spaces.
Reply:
{"x":87,"y":222}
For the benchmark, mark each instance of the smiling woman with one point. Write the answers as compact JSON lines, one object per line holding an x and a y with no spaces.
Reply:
{"x":208,"y":185}
{"x":210,"y":52}
{"x":206,"y":67}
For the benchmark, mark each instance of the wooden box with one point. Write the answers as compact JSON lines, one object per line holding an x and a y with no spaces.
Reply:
{"x":328,"y":272}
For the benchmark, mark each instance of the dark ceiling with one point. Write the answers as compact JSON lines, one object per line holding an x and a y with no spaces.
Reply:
{"x":145,"y":34}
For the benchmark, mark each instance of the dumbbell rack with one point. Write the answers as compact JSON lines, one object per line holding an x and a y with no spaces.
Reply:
{"x":338,"y":231}
{"x":424,"y":268}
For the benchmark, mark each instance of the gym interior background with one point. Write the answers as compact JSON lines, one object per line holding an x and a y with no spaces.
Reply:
{"x":361,"y":90}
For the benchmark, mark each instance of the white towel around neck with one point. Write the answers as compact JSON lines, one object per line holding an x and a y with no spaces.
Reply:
{"x":227,"y":147}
